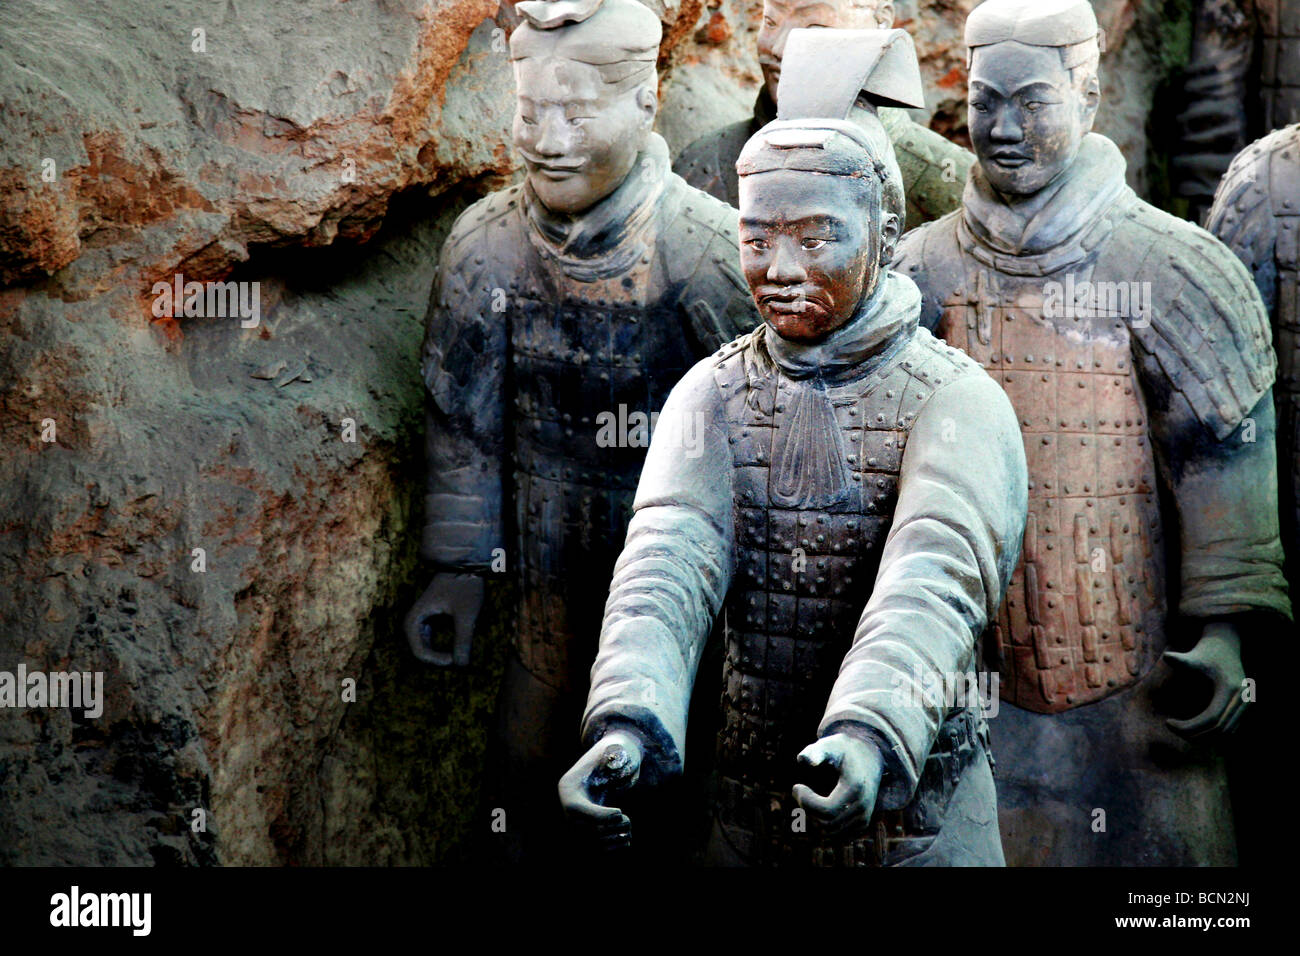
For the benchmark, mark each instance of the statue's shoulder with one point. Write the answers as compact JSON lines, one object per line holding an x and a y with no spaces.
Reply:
{"x":709,"y":162}
{"x":934,"y":361}
{"x":928,"y":246}
{"x":930,"y":255}
{"x":1252,"y":195}
{"x":700,"y":255}
{"x":922,"y":144}
{"x":484,"y":229}
{"x":1203,"y":330}
{"x":1189,"y":270}
{"x":702,"y":217}
{"x":707,"y":154}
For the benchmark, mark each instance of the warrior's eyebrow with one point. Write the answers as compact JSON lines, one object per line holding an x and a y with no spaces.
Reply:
{"x":816,"y":219}
{"x":1038,"y":87}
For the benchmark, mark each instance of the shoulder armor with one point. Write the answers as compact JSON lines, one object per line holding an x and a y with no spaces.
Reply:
{"x":703,"y":254}
{"x":934,"y":168}
{"x":462,"y":338}
{"x":926,"y":366}
{"x":1206,"y":328}
{"x":1242,"y":214}
{"x":709,"y":163}
{"x":931,"y":257}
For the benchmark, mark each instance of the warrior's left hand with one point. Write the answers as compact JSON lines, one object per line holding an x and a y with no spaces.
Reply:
{"x":1217,"y":655}
{"x":847,"y":809}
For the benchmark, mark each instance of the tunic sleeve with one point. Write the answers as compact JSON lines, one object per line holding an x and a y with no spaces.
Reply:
{"x":953,"y":544}
{"x":464,"y":362}
{"x":670,"y":580}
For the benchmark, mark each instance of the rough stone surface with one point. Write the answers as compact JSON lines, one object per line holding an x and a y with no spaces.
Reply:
{"x":322,"y":154}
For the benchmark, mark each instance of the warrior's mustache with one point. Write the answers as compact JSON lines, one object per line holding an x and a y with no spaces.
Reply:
{"x":558,"y":165}
{"x":790,"y":295}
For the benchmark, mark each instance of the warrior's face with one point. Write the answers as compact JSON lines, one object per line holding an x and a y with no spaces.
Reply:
{"x":812,"y":247}
{"x":1027,"y":115}
{"x":579,"y":136}
{"x":782,"y":16}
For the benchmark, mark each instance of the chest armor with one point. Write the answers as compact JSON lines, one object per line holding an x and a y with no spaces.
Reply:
{"x":1284,"y":187}
{"x":1280,"y":62}
{"x":1085,"y":609}
{"x":808,"y":543}
{"x":592,"y":362}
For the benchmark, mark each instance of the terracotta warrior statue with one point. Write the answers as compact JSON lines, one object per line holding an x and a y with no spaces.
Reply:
{"x":1256,"y":213}
{"x":933,"y":168}
{"x":565,"y":309}
{"x":1137,"y":355}
{"x":854,"y":510}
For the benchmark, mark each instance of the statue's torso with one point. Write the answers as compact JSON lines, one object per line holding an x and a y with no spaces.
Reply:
{"x":1085,"y":610}
{"x":806,"y":554}
{"x":594,"y":349}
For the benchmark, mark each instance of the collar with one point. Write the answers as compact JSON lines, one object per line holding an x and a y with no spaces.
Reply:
{"x":884,"y":324}
{"x":607,"y":239}
{"x":1058,"y":227}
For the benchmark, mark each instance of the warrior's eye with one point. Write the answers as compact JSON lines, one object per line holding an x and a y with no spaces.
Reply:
{"x":811,"y":243}
{"x":1033,"y":106}
{"x":979,"y":107}
{"x":758,"y":245}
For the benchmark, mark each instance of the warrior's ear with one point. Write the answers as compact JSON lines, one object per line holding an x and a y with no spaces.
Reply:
{"x":1091,"y":93}
{"x":891,"y":230}
{"x":647,"y":100}
{"x":885,"y":14}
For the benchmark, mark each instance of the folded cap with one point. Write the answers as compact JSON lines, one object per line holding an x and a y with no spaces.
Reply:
{"x":1054,"y":23}
{"x":599,"y":32}
{"x":829,"y":146}
{"x":824,"y":71}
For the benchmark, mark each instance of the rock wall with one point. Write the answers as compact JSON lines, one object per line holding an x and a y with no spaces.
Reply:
{"x":321,"y":154}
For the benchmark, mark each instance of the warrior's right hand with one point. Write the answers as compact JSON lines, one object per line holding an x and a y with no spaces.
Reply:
{"x":458,"y":596}
{"x":609,"y":768}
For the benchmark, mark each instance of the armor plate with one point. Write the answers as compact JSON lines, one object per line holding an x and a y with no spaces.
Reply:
{"x":1084,"y":613}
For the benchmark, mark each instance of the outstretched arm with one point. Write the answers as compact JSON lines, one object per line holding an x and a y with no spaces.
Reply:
{"x":953,"y":543}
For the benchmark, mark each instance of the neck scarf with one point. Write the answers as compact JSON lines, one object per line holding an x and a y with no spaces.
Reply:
{"x":1058,"y":226}
{"x":607,"y":239}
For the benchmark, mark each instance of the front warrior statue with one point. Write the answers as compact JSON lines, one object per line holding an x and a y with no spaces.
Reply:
{"x":933,"y":168}
{"x":1132,"y":345}
{"x":851,"y":492}
{"x":565,"y":309}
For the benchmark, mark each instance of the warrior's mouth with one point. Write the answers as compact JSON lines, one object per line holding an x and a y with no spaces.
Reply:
{"x":552,"y":169}
{"x":1009,"y":160}
{"x":788,"y":303}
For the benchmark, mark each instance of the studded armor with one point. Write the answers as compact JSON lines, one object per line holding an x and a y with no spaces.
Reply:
{"x":792,"y":608}
{"x":816,"y":470}
{"x":557,"y":363}
{"x":1131,"y":350}
{"x":933,"y":168}
{"x":1257,"y":215}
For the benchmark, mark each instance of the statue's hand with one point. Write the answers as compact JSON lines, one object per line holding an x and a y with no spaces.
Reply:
{"x":458,"y":596}
{"x":847,"y":810}
{"x":1217,"y":655}
{"x":609,"y":768}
